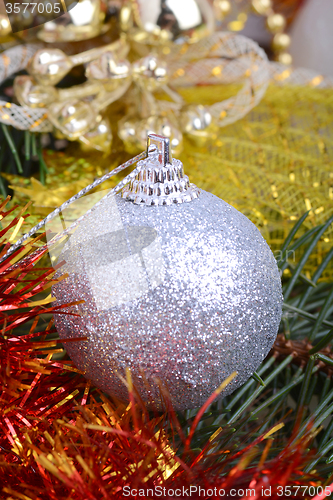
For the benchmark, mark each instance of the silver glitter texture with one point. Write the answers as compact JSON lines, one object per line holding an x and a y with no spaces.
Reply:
{"x":178,"y":286}
{"x":185,"y":294}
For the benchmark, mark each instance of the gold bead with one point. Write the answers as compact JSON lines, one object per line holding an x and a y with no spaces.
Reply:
{"x":49,"y":66}
{"x":30,"y":93}
{"x":150,"y":72}
{"x":133,"y":132}
{"x":109,"y":70}
{"x":161,"y":125}
{"x":285,"y":58}
{"x":222,"y":8}
{"x":281,"y":41}
{"x":98,"y":138}
{"x":72,"y":118}
{"x":125,"y":18}
{"x":261,"y":6}
{"x":276,"y":23}
{"x":198,"y":124}
{"x":5,"y":27}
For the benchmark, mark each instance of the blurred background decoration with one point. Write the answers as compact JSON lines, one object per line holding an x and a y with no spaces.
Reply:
{"x":312,"y":36}
{"x":87,"y":20}
{"x":149,"y":86}
{"x":289,"y":30}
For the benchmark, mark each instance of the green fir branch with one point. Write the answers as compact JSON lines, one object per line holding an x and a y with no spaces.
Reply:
{"x":298,"y":386}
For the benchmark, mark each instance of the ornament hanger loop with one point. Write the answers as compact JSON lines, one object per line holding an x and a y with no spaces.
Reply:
{"x":157,"y":144}
{"x":160,"y":179}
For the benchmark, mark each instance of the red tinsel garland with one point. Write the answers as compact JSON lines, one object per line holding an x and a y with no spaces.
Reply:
{"x":60,"y":438}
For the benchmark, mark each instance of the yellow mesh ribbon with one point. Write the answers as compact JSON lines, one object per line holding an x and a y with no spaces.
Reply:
{"x":275,"y":164}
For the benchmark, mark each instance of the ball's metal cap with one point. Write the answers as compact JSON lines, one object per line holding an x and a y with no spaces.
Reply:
{"x":161,"y":179}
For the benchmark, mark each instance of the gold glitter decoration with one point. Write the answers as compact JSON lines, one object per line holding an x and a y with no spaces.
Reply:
{"x":234,"y":16}
{"x":77,"y":111}
{"x":273,"y":165}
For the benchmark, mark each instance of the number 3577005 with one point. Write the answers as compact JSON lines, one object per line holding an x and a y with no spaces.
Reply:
{"x":40,"y":8}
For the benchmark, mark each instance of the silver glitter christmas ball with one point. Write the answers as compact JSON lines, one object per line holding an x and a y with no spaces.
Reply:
{"x":178,"y":286}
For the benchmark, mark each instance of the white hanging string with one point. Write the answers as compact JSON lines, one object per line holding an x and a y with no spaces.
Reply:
{"x":62,"y":207}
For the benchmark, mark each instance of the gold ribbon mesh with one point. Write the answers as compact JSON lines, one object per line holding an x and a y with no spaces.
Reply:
{"x":275,"y":164}
{"x":221,"y":57}
{"x":22,"y":118}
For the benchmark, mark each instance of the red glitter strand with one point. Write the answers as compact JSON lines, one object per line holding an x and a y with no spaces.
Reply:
{"x":62,"y":439}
